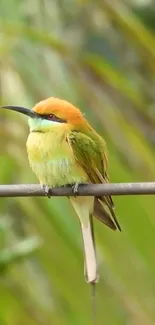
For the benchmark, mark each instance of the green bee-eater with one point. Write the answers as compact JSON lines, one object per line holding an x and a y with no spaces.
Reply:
{"x":64,"y":149}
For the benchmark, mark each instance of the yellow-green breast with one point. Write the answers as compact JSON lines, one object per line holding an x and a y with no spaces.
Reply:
{"x":52,"y":159}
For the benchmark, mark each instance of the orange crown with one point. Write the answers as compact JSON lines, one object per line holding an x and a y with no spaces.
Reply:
{"x":59,"y":108}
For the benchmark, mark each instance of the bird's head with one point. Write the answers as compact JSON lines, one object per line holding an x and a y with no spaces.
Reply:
{"x":49,"y":113}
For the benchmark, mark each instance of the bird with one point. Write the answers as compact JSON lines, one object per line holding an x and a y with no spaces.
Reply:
{"x":64,"y":149}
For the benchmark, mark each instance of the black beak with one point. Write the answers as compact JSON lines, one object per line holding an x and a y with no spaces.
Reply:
{"x":23,"y":110}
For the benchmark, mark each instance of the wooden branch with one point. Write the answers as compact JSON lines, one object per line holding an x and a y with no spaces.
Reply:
{"x":22,"y":190}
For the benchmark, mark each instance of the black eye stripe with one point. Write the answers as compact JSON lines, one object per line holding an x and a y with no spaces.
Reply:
{"x":52,"y":117}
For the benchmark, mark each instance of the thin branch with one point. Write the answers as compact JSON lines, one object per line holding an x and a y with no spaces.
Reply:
{"x":83,"y":190}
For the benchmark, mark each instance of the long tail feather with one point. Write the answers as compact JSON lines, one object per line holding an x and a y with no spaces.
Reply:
{"x":90,"y":258}
{"x":84,"y":207}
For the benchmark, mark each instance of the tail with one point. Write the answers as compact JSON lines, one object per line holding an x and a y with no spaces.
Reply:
{"x":84,"y":208}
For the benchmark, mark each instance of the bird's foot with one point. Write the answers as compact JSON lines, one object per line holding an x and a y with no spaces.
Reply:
{"x":75,"y":188}
{"x":46,"y":189}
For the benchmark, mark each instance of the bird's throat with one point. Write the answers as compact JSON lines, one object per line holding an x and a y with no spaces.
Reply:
{"x":42,"y":125}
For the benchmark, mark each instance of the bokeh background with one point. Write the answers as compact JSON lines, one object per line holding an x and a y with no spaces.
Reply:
{"x":100,"y":55}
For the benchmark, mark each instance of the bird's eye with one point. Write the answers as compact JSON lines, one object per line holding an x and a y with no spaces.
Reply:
{"x":50,"y":116}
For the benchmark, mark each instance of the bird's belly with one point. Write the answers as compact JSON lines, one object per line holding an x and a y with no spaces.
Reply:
{"x":58,"y":172}
{"x":54,"y":165}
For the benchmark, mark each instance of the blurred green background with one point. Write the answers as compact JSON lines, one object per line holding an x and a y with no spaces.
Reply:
{"x":100,"y":55}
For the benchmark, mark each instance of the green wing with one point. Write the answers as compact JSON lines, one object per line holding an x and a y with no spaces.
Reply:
{"x":93,"y":160}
